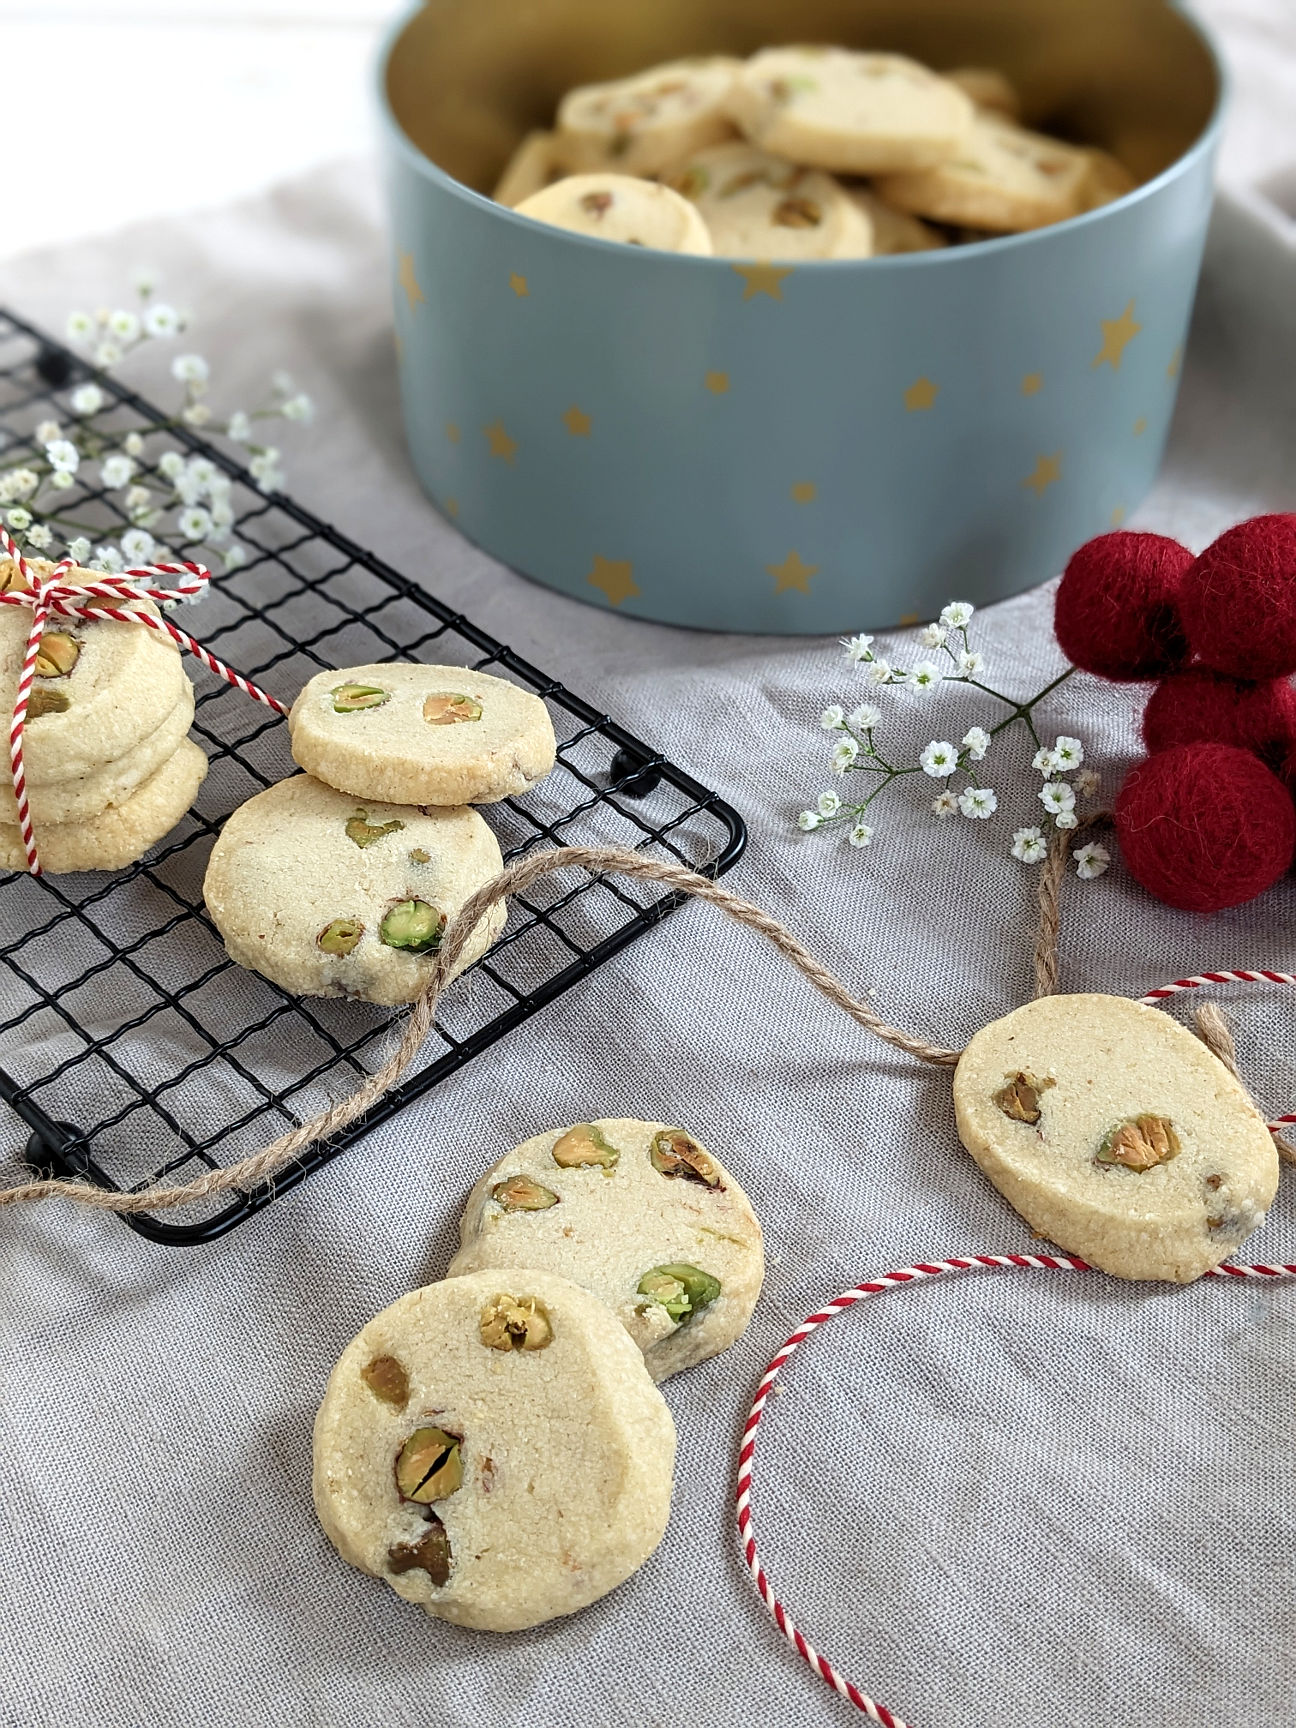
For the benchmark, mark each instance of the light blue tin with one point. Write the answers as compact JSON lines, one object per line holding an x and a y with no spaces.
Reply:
{"x":838,"y":447}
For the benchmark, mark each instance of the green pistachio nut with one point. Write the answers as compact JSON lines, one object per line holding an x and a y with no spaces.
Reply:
{"x":428,"y":1466}
{"x":675,"y":1153}
{"x":430,"y":1554}
{"x":414,"y":926}
{"x":521,"y":1194}
{"x":341,"y":936}
{"x":364,"y":832}
{"x":584,"y":1144}
{"x":449,"y":707}
{"x":351,"y":698}
{"x":682,"y":1290}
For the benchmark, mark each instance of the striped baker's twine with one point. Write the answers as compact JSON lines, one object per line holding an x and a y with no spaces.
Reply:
{"x":52,"y":595}
{"x":1196,"y":982}
{"x":920,"y":1273}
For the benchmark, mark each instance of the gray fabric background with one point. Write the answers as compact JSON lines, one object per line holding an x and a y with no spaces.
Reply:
{"x":1019,"y":1500}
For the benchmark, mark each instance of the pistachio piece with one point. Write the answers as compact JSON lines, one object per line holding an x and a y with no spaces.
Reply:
{"x":520,"y":1194}
{"x":446,"y":708}
{"x":57,"y":655}
{"x":387,"y":1380}
{"x":419,"y":856}
{"x":680,"y":1289}
{"x":414,"y":926}
{"x":797,"y":213}
{"x":428,"y":1466}
{"x":515,"y":1323}
{"x":43,"y":701}
{"x":1139,"y":1144}
{"x":1020,"y":1098}
{"x":364,"y":832}
{"x":341,"y":936}
{"x":584,"y":1144}
{"x":676,"y":1153}
{"x":351,"y":698}
{"x":430,"y":1554}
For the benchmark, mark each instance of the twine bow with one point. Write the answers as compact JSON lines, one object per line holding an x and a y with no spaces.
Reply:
{"x":53,"y":595}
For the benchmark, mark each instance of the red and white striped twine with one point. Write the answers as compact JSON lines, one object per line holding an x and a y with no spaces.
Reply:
{"x":1154,"y":997}
{"x":51,"y":595}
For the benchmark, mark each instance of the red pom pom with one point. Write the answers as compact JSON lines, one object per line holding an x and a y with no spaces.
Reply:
{"x":1200,"y":707}
{"x":1116,"y":612}
{"x":1205,"y":826}
{"x":1239,"y":600}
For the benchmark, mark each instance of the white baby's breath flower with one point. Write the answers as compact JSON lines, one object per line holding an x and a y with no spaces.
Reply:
{"x":1030,"y":845}
{"x":116,"y":470}
{"x":1091,"y":860}
{"x":829,"y":803}
{"x":264,"y":468}
{"x":17,"y":484}
{"x":162,"y":320}
{"x":171,"y":463}
{"x":79,"y":549}
{"x":1087,"y":782}
{"x":1044,"y":761}
{"x":879,"y":671}
{"x":933,"y":635}
{"x":239,"y":428}
{"x":832,"y":717}
{"x":283,"y":383}
{"x":108,"y":559}
{"x":87,"y":399}
{"x":222,"y":514}
{"x":196,"y":414}
{"x":138,"y":546}
{"x":63,"y":454}
{"x":957,"y":615}
{"x":124,"y":325}
{"x":107,"y":354}
{"x":60,"y":479}
{"x":945,"y":803}
{"x":137,"y":499}
{"x":133,"y":444}
{"x":202,"y":471}
{"x":1057,"y":797}
{"x":939,"y":760}
{"x":190,"y":368}
{"x":19,"y":518}
{"x":924,"y":678}
{"x":194,"y":523}
{"x":808,"y":820}
{"x":143,"y":281}
{"x":40,"y":535}
{"x":844,"y":753}
{"x":976,"y":741}
{"x":970,"y":662}
{"x":856,"y":648}
{"x":865,"y":717}
{"x":234,"y":557}
{"x":1068,"y":753}
{"x":47,"y":432}
{"x":79,"y":326}
{"x":861,"y":834}
{"x":299,"y":408}
{"x":1068,"y":819}
{"x":978,"y":803}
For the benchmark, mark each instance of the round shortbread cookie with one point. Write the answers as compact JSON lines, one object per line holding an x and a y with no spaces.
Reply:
{"x":1106,"y":181}
{"x":637,"y":125}
{"x":412,"y":734}
{"x":1004,"y":178}
{"x":988,"y":88}
{"x":532,"y":166}
{"x":895,"y":231}
{"x":328,"y":896}
{"x":493,"y":1448}
{"x":760,"y":206}
{"x":854,"y":113}
{"x":621,"y":209}
{"x":640,"y":1214}
{"x":1116,"y":1133}
{"x":120,"y":835}
{"x":91,"y":794}
{"x":108,"y":685}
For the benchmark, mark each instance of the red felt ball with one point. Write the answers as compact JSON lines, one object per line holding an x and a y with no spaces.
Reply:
{"x":1205,"y":826}
{"x":1116,"y":611}
{"x":1200,"y":707}
{"x":1238,"y":602}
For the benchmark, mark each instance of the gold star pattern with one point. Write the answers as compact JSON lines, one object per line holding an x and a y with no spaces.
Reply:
{"x":519,"y":286}
{"x":452,"y":506}
{"x":409,"y":281}
{"x":577,"y":422}
{"x":452,"y":432}
{"x":1118,"y":516}
{"x":1176,"y":361}
{"x":1047,"y":470}
{"x":1118,"y":333}
{"x":762,"y":279}
{"x":792,"y":573}
{"x":920,"y":395}
{"x":717,"y":383}
{"x":500,"y":442}
{"x":1140,"y":427}
{"x":805,"y":492}
{"x":615,"y":578}
{"x":1032,"y":384}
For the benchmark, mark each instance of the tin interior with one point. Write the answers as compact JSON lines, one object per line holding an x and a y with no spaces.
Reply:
{"x":467,"y":78}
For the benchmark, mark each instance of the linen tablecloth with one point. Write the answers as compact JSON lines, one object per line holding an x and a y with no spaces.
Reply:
{"x":1016,"y":1498}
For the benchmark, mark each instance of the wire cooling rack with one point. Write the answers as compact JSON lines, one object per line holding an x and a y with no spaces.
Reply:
{"x":136,"y":1052}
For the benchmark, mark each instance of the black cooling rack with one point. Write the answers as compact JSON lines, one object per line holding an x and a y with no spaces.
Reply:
{"x":135,"y":1051}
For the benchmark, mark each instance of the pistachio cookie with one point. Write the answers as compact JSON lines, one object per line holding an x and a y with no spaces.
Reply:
{"x":121,"y":834}
{"x":760,"y":206}
{"x":638,"y":1212}
{"x":618,"y":208}
{"x":854,"y":113}
{"x":492,"y":1448}
{"x":415,"y":734}
{"x":637,"y":125}
{"x":895,"y":231}
{"x":532,"y":167}
{"x":328,"y":896}
{"x":1003,"y":178}
{"x":988,"y":88}
{"x":1116,"y":1132}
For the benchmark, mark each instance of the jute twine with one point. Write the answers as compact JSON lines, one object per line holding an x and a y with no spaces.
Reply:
{"x":261,"y":1166}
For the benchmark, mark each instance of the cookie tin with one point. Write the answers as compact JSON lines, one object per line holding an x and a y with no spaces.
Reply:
{"x":835,"y":447}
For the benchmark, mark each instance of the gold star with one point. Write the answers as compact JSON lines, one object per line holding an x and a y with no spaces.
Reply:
{"x":519,"y":286}
{"x":1140,"y":427}
{"x":452,"y":506}
{"x":615,"y":578}
{"x":1032,"y":384}
{"x":792,"y":573}
{"x":1047,"y":470}
{"x":762,"y":279}
{"x":909,"y":620}
{"x":409,"y":281}
{"x":805,"y":492}
{"x":500,"y":442}
{"x":717,"y":383}
{"x":452,"y":432}
{"x":1176,"y":361}
{"x":1118,"y":333}
{"x":1118,"y":516}
{"x":577,"y":422}
{"x":920,"y":395}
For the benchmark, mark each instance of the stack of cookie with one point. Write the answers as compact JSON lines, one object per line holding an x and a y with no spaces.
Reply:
{"x":802,"y":154}
{"x":342,"y":880}
{"x":110,"y":768}
{"x":493,"y":1446}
